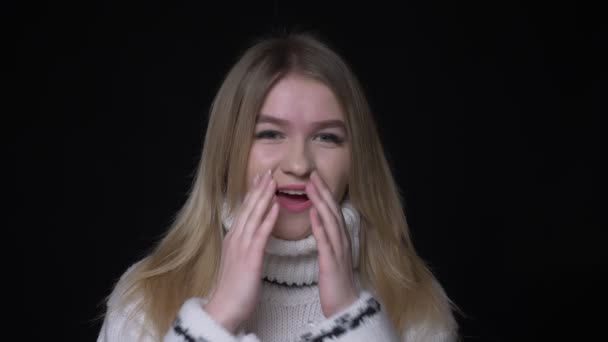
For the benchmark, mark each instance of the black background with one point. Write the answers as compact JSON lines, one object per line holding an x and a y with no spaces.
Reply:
{"x":489,"y":112}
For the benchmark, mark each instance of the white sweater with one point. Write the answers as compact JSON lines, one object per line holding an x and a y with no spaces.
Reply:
{"x":289,"y":307}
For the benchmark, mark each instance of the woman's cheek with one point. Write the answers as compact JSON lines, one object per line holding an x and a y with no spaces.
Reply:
{"x":261,"y":158}
{"x":269,"y":157}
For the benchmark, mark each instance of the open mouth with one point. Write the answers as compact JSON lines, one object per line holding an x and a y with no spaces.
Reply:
{"x":293,"y":201}
{"x":294,"y":197}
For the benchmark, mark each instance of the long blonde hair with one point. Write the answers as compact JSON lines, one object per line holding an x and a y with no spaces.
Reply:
{"x":185,"y":262}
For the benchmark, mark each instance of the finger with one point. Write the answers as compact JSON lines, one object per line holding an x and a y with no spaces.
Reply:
{"x":325,"y":193}
{"x":260,"y":237}
{"x":260,"y":210}
{"x":250,"y":201}
{"x":323,"y":245}
{"x":241,"y":210}
{"x":327,"y":218}
{"x":254,"y":183}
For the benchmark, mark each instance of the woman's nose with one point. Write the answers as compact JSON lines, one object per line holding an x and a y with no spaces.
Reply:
{"x":297,"y":160}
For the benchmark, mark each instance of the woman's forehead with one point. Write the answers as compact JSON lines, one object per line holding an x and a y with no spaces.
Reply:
{"x":300,"y":101}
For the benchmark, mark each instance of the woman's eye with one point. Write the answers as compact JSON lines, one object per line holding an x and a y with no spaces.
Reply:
{"x":267,"y":135}
{"x":324,"y":137}
{"x":332,"y":138}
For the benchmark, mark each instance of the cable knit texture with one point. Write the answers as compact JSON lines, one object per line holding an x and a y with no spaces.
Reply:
{"x":289,"y":307}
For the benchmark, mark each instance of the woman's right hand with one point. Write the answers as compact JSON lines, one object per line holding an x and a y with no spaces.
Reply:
{"x":238,"y":285}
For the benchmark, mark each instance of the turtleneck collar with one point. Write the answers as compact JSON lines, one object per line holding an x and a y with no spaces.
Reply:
{"x":296,"y":262}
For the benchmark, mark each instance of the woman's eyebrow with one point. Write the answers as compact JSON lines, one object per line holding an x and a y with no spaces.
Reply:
{"x":317,"y":124}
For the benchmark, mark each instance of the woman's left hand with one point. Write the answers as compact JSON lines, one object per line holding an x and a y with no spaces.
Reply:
{"x":337,"y":288}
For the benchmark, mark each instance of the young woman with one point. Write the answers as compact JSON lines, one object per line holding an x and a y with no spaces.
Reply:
{"x":294,"y":228}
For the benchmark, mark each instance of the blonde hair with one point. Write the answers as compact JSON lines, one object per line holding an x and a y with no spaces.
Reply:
{"x":185,"y":262}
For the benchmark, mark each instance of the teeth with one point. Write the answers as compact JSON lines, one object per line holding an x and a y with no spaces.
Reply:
{"x":293,"y":192}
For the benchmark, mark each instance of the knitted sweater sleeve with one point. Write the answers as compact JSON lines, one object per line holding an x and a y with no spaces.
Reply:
{"x":124,"y":323}
{"x":194,"y":324}
{"x":365,"y":320}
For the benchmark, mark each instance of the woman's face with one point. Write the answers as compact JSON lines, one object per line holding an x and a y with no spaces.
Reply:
{"x":300,"y":129}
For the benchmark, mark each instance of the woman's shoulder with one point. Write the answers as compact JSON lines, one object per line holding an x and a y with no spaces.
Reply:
{"x":438,"y":327}
{"x":423,"y":331}
{"x":119,"y":295}
{"x":437,"y":324}
{"x":124,"y":317}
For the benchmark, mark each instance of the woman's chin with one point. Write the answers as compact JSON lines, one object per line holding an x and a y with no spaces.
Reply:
{"x":292,"y":226}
